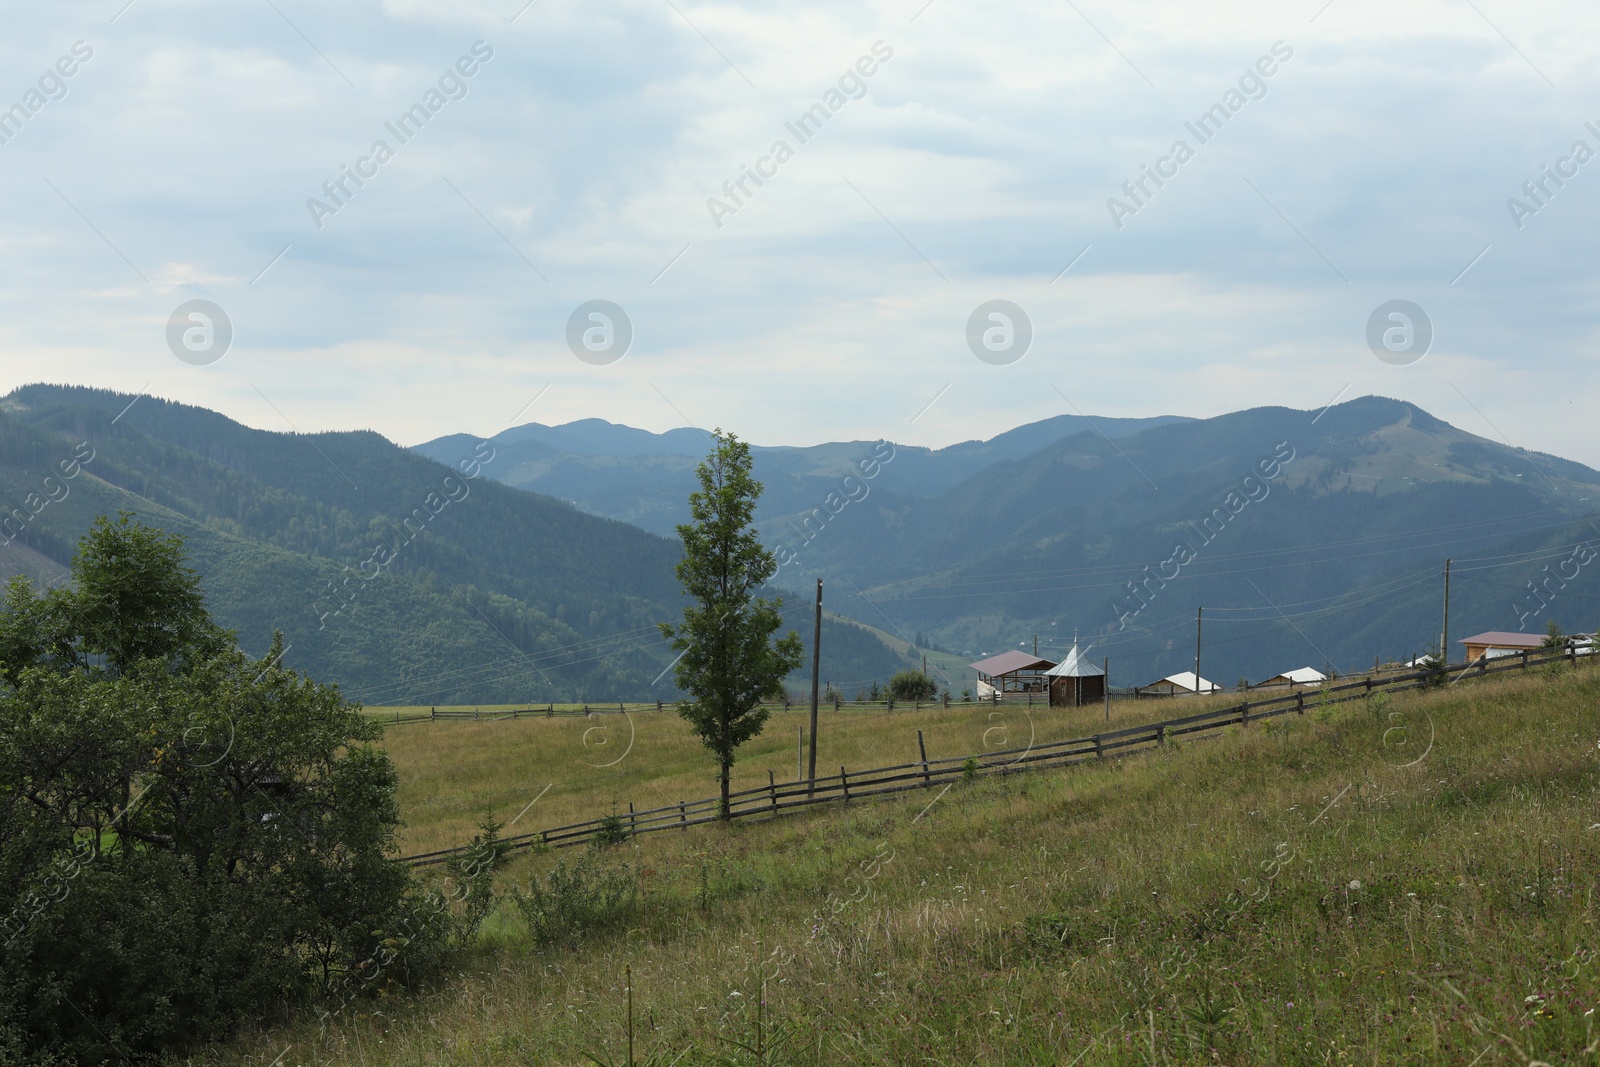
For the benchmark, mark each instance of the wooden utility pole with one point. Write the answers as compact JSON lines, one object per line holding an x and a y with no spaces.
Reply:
{"x":1444,"y":641}
{"x":816,"y":671}
{"x":1198,"y":614}
{"x":1105,"y":669}
{"x":1035,"y":646}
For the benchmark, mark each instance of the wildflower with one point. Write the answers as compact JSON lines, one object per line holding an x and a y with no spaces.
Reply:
{"x":1355,"y":883}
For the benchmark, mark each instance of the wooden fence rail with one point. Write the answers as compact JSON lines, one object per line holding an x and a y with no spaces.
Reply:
{"x":550,"y":711}
{"x":924,"y":773}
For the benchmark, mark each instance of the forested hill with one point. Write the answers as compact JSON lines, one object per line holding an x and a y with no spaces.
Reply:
{"x":1119,"y":529}
{"x":404,"y":579}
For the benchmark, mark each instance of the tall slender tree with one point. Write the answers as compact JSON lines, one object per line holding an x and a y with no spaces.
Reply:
{"x":729,"y":659}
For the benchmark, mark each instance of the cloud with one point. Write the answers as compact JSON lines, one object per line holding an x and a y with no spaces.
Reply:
{"x":977,"y":165}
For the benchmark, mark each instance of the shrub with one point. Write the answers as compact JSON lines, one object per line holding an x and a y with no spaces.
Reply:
{"x":208,"y":836}
{"x":573,"y":902}
{"x":475,"y":872}
{"x":912,"y":685}
{"x":612,"y":831}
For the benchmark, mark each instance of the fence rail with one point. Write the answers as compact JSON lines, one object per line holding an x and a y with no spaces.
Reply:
{"x":849,"y":787}
{"x":550,"y":711}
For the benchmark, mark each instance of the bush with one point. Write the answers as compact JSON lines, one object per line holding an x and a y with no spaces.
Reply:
{"x":612,"y":831}
{"x":474,"y":872}
{"x":913,"y":686}
{"x":207,"y":837}
{"x":571,"y":903}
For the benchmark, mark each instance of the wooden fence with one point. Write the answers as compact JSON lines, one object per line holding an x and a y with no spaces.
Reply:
{"x":550,"y":711}
{"x":775,"y":797}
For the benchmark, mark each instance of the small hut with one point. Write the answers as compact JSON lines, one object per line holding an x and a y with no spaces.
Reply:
{"x":1075,"y":681}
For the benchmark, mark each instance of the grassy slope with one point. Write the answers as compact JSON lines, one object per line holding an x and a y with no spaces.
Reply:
{"x":1286,"y":894}
{"x":451,"y":772}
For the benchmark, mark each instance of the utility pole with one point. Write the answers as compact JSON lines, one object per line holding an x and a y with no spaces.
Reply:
{"x":1198,"y":613}
{"x":816,"y":671}
{"x":1035,"y":646}
{"x":1105,"y":670}
{"x":1444,"y":642}
{"x":924,"y":664}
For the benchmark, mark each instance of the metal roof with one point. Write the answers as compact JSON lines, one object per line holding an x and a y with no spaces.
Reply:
{"x":1300,"y":676}
{"x":1075,"y":666}
{"x":1504,"y":639}
{"x":1186,"y":680}
{"x":1006,"y":662}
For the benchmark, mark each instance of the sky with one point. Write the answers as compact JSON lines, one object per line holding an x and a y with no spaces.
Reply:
{"x":561,"y":153}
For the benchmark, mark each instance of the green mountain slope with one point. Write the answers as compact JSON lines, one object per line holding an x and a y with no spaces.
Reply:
{"x":644,"y":478}
{"x":402,"y":579}
{"x":1118,"y":530}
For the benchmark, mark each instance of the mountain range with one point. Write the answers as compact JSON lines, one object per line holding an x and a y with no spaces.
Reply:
{"x":1307,"y":537}
{"x":534,"y":565}
{"x":405,"y":580}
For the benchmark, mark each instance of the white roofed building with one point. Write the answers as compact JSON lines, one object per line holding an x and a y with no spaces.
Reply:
{"x":1183,"y":682}
{"x":1075,"y":681}
{"x":1298,"y":676}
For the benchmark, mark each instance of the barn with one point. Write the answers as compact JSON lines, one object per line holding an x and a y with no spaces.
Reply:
{"x":1075,"y":681}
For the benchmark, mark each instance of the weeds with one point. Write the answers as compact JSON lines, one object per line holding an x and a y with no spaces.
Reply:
{"x":571,"y":903}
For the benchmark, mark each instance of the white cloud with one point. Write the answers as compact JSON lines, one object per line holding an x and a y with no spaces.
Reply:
{"x":1383,"y":151}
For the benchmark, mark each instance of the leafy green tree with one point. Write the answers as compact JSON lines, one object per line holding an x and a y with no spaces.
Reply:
{"x":912,"y":685}
{"x":729,"y":661}
{"x":189,"y":837}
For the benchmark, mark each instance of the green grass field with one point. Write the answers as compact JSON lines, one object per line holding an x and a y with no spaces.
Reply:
{"x":1411,"y":881}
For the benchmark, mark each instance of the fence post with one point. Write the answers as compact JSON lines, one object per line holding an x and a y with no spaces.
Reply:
{"x":682,"y":817}
{"x":845,"y":782}
{"x":1161,"y":734}
{"x":550,"y":712}
{"x":772,"y":788}
{"x":1244,"y":714}
{"x":633,"y":821}
{"x":432,"y":714}
{"x":1524,"y":657}
{"x":658,"y":705}
{"x":1300,"y":703}
{"x":1099,"y":747}
{"x":923,"y":752}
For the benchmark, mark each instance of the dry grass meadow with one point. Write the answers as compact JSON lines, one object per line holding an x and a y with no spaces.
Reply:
{"x":1407,"y":881}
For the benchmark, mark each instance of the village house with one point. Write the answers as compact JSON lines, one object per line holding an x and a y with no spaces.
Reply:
{"x":1181,"y":684}
{"x":1492,"y":644}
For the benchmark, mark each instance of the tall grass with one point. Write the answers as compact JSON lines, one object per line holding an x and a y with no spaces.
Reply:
{"x":580,"y":768}
{"x":1303,"y":891}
